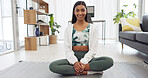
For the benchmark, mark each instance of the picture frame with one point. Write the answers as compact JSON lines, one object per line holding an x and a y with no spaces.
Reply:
{"x":90,"y":10}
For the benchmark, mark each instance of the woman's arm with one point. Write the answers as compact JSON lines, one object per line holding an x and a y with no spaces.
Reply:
{"x":92,"y":46}
{"x":68,"y":47}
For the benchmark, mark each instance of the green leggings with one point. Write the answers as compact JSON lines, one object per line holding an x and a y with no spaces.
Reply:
{"x":96,"y":64}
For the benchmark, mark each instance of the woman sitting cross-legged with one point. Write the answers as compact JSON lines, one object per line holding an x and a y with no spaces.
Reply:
{"x":80,"y":45}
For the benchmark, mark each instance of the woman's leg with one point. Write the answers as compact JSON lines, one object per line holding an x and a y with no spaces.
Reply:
{"x":62,"y":67}
{"x":99,"y":64}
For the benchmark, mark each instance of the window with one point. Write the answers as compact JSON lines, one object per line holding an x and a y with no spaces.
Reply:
{"x":130,"y":6}
{"x":6,"y":28}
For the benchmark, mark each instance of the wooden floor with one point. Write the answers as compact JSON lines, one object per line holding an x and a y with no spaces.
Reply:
{"x":53,"y":52}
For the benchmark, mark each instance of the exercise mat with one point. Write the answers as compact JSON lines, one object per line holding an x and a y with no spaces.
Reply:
{"x":41,"y":70}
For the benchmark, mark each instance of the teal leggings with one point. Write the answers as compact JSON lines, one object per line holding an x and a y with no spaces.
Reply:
{"x":96,"y":64}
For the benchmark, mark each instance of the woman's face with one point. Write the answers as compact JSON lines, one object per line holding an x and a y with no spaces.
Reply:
{"x":80,"y":12}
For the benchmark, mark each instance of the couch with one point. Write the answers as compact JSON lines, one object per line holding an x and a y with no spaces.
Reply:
{"x":136,"y":39}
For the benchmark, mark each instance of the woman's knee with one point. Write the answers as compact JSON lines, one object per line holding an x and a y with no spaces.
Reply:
{"x":56,"y":66}
{"x":53,"y":66}
{"x":109,"y":61}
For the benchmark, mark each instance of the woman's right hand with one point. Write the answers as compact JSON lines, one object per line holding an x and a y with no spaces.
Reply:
{"x":79,"y":67}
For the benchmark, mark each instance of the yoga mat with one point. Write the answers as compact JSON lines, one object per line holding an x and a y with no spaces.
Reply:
{"x":41,"y":70}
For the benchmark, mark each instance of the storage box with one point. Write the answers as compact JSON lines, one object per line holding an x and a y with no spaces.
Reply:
{"x":44,"y":40}
{"x":31,"y":43}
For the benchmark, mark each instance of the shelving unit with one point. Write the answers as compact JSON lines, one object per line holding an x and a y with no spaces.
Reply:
{"x":45,"y":29}
{"x":31,"y":43}
{"x":30,"y":18}
{"x":42,"y":5}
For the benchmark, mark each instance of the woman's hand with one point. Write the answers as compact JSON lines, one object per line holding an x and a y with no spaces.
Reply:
{"x":79,"y":67}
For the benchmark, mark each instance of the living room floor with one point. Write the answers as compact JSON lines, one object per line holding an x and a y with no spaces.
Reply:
{"x":56,"y":51}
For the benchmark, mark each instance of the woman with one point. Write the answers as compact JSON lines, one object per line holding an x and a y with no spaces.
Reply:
{"x":80,"y":46}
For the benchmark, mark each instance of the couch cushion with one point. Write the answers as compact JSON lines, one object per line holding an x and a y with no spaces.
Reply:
{"x":130,"y":24}
{"x":142,"y":37}
{"x":145,"y":23}
{"x":131,"y":35}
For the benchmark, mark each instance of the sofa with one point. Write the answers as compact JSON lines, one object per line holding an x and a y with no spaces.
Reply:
{"x":136,"y":39}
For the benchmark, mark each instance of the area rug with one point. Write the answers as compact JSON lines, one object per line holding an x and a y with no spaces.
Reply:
{"x":40,"y":70}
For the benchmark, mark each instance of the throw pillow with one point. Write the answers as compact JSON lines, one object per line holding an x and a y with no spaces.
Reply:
{"x":130,"y":24}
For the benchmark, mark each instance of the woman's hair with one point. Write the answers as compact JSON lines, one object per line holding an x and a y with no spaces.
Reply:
{"x":74,"y":19}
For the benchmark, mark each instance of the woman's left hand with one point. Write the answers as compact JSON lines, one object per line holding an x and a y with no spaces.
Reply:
{"x":82,"y":66}
{"x":79,"y":67}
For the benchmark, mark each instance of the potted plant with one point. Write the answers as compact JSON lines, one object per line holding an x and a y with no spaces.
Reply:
{"x":54,"y":28}
{"x":122,"y":14}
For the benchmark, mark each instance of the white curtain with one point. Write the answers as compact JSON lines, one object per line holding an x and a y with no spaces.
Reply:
{"x":146,"y":7}
{"x":104,"y":9}
{"x":1,"y":33}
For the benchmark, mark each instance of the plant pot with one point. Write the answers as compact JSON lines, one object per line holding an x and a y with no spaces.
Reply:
{"x":52,"y":39}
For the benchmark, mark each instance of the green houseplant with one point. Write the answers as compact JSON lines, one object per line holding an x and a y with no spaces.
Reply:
{"x":53,"y":25}
{"x":54,"y":28}
{"x":123,"y":14}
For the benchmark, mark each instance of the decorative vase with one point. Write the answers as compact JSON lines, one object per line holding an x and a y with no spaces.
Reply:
{"x":37,"y":32}
{"x":52,"y":39}
{"x":31,"y":8}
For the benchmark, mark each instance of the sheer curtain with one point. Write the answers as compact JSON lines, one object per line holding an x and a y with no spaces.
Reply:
{"x":104,"y":9}
{"x":62,"y":10}
{"x":130,"y":6}
{"x":146,"y":7}
{"x":1,"y":33}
